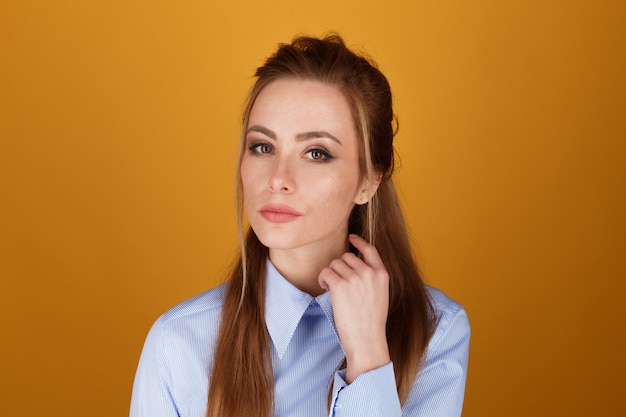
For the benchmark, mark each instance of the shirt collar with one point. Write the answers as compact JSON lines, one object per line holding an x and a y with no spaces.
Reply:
{"x":284,"y":307}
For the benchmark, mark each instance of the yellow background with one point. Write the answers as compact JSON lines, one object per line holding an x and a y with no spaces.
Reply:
{"x":119,"y":125}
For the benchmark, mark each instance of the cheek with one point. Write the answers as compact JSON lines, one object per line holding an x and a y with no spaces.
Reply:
{"x":249,"y":189}
{"x":246,"y":172}
{"x":336,"y":192}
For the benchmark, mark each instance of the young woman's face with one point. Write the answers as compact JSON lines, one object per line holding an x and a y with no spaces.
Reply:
{"x":300,"y":167}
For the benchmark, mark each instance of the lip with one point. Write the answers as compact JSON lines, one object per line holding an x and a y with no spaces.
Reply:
{"x":279,"y":213}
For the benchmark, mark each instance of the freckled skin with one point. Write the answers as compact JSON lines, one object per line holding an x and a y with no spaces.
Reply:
{"x":324,"y":191}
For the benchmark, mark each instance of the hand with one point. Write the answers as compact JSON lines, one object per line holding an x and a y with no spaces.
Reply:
{"x":359,"y":293}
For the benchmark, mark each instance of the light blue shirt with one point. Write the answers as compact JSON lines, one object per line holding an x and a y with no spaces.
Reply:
{"x":177,"y":359}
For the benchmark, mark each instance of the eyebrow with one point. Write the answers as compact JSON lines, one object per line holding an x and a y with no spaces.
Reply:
{"x":316,"y":134}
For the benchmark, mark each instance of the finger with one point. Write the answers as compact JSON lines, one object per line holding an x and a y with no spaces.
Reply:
{"x":356,"y":264}
{"x":327,"y":278}
{"x":369,"y":252}
{"x":343,"y":267}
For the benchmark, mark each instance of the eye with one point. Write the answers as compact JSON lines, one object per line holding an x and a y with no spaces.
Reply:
{"x":262,"y":148}
{"x":319,"y":155}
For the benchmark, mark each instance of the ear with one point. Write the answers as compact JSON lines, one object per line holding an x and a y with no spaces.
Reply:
{"x":368,"y":189}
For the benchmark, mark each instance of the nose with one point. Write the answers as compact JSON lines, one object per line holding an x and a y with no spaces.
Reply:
{"x":282,"y":178}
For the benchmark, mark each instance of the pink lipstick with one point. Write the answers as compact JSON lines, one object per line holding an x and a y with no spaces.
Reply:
{"x":278,"y":213}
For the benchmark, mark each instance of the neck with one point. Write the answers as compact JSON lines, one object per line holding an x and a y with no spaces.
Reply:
{"x":302,"y":266}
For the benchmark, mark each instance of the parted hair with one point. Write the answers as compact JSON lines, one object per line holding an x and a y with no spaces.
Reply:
{"x":241,"y":382}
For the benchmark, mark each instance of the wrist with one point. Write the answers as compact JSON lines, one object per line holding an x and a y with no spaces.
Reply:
{"x":365,"y":360}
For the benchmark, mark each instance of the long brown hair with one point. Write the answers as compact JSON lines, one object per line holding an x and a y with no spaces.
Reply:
{"x":242,"y":382}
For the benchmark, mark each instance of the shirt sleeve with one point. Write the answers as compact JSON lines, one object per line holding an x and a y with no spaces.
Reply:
{"x":438,"y":389}
{"x":152,"y":388}
{"x":372,"y":393}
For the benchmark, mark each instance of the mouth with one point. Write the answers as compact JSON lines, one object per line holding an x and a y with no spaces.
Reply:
{"x":278,"y":213}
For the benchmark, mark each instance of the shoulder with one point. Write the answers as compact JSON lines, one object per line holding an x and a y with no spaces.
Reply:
{"x":207,"y":302}
{"x":195,"y":318}
{"x":451,"y":317}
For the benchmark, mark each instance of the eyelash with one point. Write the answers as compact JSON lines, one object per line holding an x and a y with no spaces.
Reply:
{"x":255,"y":148}
{"x":325,"y":156}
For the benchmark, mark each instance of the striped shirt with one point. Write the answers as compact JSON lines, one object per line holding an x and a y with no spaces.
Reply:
{"x":173,"y":373}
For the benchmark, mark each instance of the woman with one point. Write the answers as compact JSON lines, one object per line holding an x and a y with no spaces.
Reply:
{"x":325,"y":312}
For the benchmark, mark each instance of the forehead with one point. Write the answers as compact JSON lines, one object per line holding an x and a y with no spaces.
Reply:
{"x":306,"y":104}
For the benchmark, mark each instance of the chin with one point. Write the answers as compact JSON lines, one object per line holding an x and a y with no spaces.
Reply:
{"x":278,"y":243}
{"x":273,"y":239}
